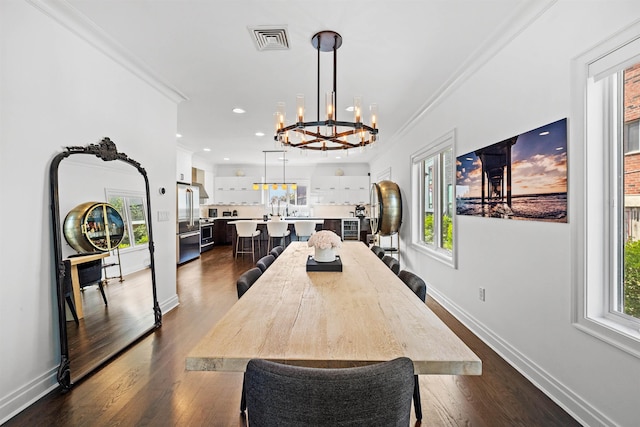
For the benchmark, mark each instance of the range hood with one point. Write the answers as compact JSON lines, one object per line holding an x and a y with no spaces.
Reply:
{"x":203,"y":192}
{"x":197,"y":180}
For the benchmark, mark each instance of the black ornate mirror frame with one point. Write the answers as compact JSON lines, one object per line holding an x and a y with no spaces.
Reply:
{"x":107,"y":151}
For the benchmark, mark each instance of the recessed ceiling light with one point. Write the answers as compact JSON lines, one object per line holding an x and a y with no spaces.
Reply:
{"x":338,"y":157}
{"x":544,"y":133}
{"x":349,"y":108}
{"x":206,"y":149}
{"x":259,"y":133}
{"x":178,"y":135}
{"x":226,"y":158}
{"x":238,"y":110}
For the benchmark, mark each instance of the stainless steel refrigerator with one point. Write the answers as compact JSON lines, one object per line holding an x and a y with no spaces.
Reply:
{"x":188,"y":227}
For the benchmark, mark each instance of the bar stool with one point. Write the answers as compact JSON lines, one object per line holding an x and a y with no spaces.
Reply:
{"x":304,"y":228}
{"x":247,"y":230}
{"x":277,"y":230}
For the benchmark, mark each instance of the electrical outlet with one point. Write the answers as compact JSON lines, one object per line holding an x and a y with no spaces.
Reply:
{"x":481,"y":294}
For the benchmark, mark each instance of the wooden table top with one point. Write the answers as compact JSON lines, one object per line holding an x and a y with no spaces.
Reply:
{"x":363,"y":315}
{"x":86,"y":258}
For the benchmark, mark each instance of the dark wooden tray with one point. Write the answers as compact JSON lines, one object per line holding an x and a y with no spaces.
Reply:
{"x":312,"y":265}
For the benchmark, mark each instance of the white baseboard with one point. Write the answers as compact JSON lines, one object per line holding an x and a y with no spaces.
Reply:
{"x":554,"y":389}
{"x":16,"y":401}
{"x":169,"y":304}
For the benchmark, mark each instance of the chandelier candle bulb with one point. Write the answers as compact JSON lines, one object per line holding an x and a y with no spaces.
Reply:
{"x":280,"y":115}
{"x":374,"y":115}
{"x":329,"y":98}
{"x":300,"y":105}
{"x":357,"y":107}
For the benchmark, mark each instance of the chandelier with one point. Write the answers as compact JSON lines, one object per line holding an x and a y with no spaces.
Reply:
{"x":329,"y":134}
{"x":275,"y":185}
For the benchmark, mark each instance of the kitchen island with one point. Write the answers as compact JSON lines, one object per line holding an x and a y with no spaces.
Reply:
{"x":225,"y":233}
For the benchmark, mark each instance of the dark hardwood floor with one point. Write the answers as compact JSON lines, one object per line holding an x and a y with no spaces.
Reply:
{"x":148,"y":385}
{"x":105,"y":329}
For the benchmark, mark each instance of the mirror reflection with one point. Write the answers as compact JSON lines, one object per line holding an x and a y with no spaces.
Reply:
{"x":109,"y":300}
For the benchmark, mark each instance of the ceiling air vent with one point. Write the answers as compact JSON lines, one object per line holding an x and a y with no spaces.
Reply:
{"x":270,"y":38}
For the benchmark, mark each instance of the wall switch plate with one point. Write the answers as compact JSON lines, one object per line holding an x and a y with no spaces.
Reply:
{"x":163,"y":215}
{"x":481,"y":294}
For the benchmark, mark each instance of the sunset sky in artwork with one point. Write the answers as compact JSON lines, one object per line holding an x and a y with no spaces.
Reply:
{"x":538,"y":164}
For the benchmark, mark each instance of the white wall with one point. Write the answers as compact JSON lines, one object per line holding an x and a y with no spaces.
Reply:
{"x":525,"y":266}
{"x":57,"y":90}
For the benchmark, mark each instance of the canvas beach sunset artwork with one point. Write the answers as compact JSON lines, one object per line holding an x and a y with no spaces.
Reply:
{"x":523,"y":177}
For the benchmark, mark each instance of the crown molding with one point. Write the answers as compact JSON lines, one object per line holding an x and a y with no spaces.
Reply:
{"x":502,"y":35}
{"x":69,"y":17}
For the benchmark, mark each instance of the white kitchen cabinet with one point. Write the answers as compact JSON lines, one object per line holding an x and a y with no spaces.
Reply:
{"x":222,"y":193}
{"x":340,"y":189}
{"x":354,"y":189}
{"x":245,"y":194}
{"x":183,"y":165}
{"x":325,"y":189}
{"x":237,"y":190}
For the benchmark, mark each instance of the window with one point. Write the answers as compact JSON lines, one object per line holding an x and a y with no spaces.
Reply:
{"x":132,"y":208}
{"x":631,"y":134}
{"x":606,"y":192}
{"x":626,"y":296}
{"x":433,"y":199}
{"x":279,"y":200}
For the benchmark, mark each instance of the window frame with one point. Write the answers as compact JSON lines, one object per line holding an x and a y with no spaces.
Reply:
{"x":637,"y":139}
{"x":597,"y":199}
{"x":433,"y":150}
{"x":126,"y":195}
{"x":300,"y":183}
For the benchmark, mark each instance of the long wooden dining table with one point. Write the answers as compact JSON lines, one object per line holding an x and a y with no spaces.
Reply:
{"x":362,"y":315}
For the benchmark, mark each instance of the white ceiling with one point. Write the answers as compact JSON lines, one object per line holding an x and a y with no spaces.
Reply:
{"x":399,"y":54}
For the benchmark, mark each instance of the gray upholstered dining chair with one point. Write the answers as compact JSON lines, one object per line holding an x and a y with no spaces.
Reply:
{"x":374,"y":395}
{"x":276,"y":251}
{"x":264,"y":262}
{"x":419,"y":287}
{"x":247,"y":279}
{"x":378,"y":251}
{"x":392,"y":263}
{"x":244,"y":282}
{"x":415,"y":283}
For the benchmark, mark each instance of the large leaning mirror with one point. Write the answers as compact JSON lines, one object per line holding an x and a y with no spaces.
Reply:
{"x":103,"y":256}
